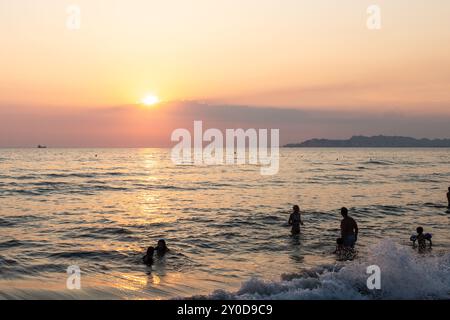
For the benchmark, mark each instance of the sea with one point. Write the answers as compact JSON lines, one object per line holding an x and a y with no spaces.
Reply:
{"x":97,"y":211}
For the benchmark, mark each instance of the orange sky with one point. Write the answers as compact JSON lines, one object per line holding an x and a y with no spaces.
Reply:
{"x":260,"y":52}
{"x":290,"y":53}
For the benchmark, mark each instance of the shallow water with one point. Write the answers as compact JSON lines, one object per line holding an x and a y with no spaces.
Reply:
{"x":226,"y":225}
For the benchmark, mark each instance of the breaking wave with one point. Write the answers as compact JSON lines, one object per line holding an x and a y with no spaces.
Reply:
{"x":405,"y":274}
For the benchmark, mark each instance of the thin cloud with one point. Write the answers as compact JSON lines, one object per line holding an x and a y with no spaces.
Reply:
{"x":134,"y":126}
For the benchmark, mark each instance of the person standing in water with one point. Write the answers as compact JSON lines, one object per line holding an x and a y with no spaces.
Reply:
{"x":349,"y":229}
{"x":295,"y":220}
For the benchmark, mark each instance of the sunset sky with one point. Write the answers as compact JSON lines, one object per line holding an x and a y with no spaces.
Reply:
{"x":84,"y":87}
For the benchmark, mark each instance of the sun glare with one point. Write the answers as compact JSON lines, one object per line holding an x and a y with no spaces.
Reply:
{"x":150,"y":100}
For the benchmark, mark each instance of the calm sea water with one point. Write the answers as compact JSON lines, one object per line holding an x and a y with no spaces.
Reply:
{"x":225,"y":225}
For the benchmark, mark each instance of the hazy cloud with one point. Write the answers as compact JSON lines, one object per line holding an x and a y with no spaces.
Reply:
{"x":135,"y":126}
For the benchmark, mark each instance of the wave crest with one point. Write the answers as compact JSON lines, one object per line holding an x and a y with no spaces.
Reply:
{"x":405,"y":274}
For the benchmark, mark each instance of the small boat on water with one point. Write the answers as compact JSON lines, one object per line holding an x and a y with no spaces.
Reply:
{"x":42,"y":147}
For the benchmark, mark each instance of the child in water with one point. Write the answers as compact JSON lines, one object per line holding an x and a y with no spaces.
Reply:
{"x":148,"y":258}
{"x":295,"y":220}
{"x":421,"y":239}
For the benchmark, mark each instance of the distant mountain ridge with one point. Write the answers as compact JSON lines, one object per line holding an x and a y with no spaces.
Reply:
{"x":373,"y":142}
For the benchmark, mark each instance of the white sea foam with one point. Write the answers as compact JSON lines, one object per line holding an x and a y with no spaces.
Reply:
{"x":405,"y":274}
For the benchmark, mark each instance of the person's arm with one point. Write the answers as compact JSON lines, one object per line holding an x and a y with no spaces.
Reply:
{"x":301,"y":221}
{"x":290,"y":220}
{"x":356,"y":231}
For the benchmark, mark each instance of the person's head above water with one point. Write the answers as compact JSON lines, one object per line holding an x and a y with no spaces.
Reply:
{"x":161,"y":245}
{"x":419,"y":230}
{"x":296,"y":209}
{"x":344,"y":212}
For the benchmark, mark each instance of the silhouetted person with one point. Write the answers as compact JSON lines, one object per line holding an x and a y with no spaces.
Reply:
{"x":349,"y":229}
{"x":161,"y":248}
{"x":448,"y":198}
{"x":421,"y":239}
{"x":148,"y":258}
{"x":295,"y":220}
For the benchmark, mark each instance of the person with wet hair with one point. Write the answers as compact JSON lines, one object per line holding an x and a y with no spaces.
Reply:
{"x":148,"y":258}
{"x":295,"y":220}
{"x":349,"y":229}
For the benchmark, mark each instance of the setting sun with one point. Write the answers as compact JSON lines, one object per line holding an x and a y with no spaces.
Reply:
{"x":150,"y":100}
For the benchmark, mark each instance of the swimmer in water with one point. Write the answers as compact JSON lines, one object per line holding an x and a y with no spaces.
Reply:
{"x":161,"y":248}
{"x":148,"y":258}
{"x":295,"y":220}
{"x":421,"y":239}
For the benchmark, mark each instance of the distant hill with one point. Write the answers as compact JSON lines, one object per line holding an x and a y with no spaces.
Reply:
{"x":373,"y":142}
